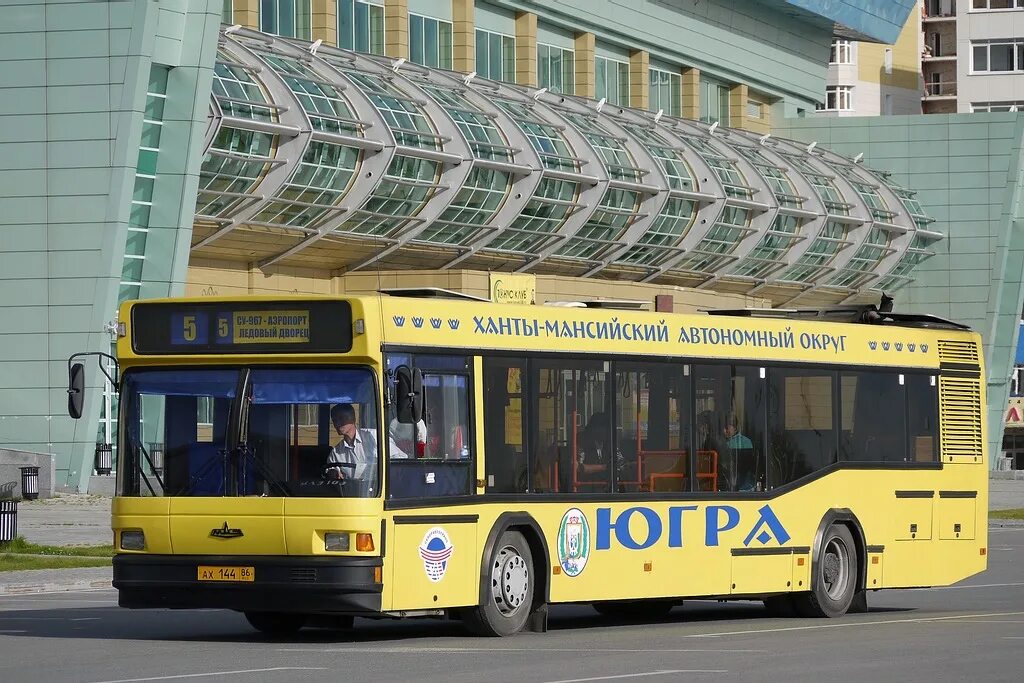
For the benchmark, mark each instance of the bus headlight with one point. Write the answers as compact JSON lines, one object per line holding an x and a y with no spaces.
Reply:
{"x":133,"y":539}
{"x":336,"y":540}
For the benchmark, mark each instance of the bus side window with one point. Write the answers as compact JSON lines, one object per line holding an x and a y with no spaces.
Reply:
{"x":504,"y":425}
{"x":801,"y":423}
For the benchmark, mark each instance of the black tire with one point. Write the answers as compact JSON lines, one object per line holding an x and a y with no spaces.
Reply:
{"x":509,"y":583}
{"x":834,"y":576}
{"x":276,"y":623}
{"x":635,"y":609}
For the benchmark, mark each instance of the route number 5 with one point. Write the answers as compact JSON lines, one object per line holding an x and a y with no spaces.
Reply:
{"x":190,"y":328}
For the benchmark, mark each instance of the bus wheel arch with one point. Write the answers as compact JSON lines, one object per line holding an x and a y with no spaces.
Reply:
{"x":839,"y":539}
{"x":507,"y":528}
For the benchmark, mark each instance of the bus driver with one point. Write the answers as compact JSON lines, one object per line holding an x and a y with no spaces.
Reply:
{"x":354,"y":458}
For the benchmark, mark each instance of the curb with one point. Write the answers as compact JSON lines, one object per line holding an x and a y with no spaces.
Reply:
{"x":53,"y":587}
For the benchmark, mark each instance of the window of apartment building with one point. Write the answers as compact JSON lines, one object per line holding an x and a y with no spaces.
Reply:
{"x":612,"y":79}
{"x":430,"y":41}
{"x":288,"y":18}
{"x":361,"y":26}
{"x":227,"y":12}
{"x":995,"y":56}
{"x":842,"y":52}
{"x":556,"y":69}
{"x":838,"y":98}
{"x":755,"y":109}
{"x":714,"y":101}
{"x":996,"y":4}
{"x":495,"y":56}
{"x":666,"y":91}
{"x":997,"y":106}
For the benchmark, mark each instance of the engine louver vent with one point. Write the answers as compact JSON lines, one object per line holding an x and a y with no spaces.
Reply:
{"x":960,"y":407}
{"x":958,"y":351}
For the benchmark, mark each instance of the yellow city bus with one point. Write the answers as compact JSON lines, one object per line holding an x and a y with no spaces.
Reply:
{"x":308,"y":460}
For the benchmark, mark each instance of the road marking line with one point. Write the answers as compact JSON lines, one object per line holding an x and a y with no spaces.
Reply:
{"x":219,"y":673}
{"x":642,"y":674}
{"x":971,"y":585}
{"x":457,"y":650}
{"x":855,"y":624}
{"x":3,"y":618}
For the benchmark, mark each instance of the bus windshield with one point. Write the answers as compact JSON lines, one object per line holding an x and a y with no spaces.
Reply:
{"x":249,"y":432}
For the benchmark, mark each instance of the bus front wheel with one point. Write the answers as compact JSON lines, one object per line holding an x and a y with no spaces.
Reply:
{"x":835,"y":576}
{"x":509,"y":585}
{"x":276,"y":623}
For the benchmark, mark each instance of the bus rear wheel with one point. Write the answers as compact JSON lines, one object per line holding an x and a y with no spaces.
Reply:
{"x":508,"y":585}
{"x":835,"y":577}
{"x":276,"y":623}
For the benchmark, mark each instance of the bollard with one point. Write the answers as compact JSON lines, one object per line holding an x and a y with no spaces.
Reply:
{"x":30,"y":483}
{"x":8,"y":520}
{"x":103,"y":457}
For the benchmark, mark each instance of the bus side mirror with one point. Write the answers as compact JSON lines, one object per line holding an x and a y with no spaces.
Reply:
{"x":76,"y":390}
{"x":409,"y":394}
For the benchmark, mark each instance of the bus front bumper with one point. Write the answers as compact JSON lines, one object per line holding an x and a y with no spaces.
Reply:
{"x":311,"y":585}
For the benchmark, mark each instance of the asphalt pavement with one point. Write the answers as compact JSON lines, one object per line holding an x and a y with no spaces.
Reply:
{"x":80,"y":519}
{"x":971,"y":631}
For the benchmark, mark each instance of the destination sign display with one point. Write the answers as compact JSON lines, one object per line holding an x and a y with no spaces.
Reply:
{"x":241,"y":327}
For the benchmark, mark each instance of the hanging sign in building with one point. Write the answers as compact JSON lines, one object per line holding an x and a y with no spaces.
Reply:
{"x":507,"y":288}
{"x":1015,"y":412}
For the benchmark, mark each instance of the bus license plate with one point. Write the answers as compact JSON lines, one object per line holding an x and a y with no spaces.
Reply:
{"x":227,"y":573}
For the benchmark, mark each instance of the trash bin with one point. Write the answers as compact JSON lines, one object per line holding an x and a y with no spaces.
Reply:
{"x":104,"y":453}
{"x":29,"y":483}
{"x":8,"y":520}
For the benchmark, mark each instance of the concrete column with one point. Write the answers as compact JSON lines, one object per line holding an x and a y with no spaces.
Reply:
{"x":325,"y":21}
{"x":246,"y":13}
{"x":639,"y":79}
{"x":691,"y":92}
{"x":586,"y":80}
{"x":763,"y":124}
{"x":396,"y":28}
{"x":738,"y":106}
{"x":526,"y":49}
{"x":464,"y":35}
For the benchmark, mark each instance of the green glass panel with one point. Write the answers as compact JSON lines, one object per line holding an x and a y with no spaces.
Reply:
{"x":147,"y":162}
{"x":139,"y":216}
{"x":135,"y":244}
{"x":158,"y":79}
{"x":154,"y":108}
{"x":151,"y":135}
{"x":143,"y":189}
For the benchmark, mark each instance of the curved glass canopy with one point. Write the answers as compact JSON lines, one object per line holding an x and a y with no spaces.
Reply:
{"x":320,"y":158}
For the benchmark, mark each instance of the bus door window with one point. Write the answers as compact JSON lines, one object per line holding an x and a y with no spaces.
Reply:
{"x":923,"y":417}
{"x":505,"y":429}
{"x":652,"y":414}
{"x":573,"y":443}
{"x":873,"y":417}
{"x":435,"y":456}
{"x":802,"y":423}
{"x":730,"y":453}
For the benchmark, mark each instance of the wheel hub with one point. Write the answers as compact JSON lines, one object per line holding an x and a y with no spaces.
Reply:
{"x":510,"y":580}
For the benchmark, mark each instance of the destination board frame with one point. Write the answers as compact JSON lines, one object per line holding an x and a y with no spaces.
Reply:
{"x":241,"y":327}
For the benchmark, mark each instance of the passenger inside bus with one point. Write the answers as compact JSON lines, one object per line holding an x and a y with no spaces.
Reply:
{"x":594,"y":453}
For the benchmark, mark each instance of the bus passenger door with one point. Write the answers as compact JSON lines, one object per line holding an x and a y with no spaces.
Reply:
{"x":435,"y":562}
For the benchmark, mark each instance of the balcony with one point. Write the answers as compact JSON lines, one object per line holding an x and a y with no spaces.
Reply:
{"x":941,"y":90}
{"x":938,"y":11}
{"x":927,"y":57}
